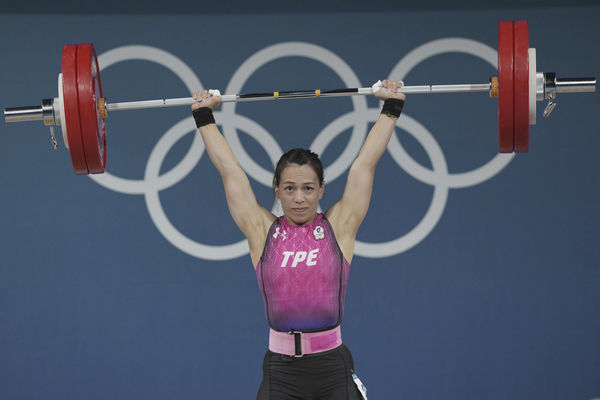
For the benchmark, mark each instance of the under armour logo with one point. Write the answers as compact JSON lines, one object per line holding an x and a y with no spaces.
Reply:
{"x":277,"y":233}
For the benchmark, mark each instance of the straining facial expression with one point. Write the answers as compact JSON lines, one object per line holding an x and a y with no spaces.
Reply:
{"x":299,"y":191}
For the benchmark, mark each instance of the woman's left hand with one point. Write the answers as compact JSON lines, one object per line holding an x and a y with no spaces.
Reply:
{"x":388,"y":90}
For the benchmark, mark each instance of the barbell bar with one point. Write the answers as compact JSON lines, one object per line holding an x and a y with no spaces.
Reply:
{"x":81,"y":110}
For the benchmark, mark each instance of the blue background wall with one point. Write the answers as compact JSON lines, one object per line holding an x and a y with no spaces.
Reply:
{"x":497,"y":299}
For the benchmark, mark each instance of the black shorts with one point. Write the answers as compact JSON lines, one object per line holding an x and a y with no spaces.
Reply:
{"x":321,"y":376}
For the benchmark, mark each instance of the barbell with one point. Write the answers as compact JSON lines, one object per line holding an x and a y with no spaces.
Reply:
{"x":81,"y":108}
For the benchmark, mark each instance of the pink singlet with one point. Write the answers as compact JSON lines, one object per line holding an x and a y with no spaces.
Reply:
{"x":303,"y":276}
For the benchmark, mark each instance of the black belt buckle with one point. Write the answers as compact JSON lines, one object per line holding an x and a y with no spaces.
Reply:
{"x":297,"y":343}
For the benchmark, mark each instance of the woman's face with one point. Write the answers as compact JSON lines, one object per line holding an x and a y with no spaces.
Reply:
{"x":299,"y":192}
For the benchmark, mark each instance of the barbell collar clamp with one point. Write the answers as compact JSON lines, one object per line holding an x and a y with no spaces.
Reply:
{"x":549,"y":85}
{"x":53,"y":138}
{"x":539,"y":86}
{"x":554,"y":85}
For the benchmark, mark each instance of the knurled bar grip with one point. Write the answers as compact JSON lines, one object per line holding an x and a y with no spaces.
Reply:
{"x":229,"y":98}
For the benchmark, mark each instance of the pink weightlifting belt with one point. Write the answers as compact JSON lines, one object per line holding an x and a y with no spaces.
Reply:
{"x":297,"y":344}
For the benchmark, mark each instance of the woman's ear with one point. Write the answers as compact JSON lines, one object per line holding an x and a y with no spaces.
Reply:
{"x":321,"y":190}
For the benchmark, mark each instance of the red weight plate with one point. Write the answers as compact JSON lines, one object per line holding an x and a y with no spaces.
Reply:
{"x":71,"y":103}
{"x":93,"y":128}
{"x":521,"y":86}
{"x":505,"y":86}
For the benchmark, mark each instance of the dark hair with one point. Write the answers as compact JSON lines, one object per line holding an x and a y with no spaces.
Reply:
{"x":300,"y":157}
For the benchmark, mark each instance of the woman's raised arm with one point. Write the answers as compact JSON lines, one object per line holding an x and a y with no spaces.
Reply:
{"x":252,"y":219}
{"x":348,"y":213}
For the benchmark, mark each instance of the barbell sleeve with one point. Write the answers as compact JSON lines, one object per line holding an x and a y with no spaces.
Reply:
{"x":575,"y":85}
{"x":44,"y":112}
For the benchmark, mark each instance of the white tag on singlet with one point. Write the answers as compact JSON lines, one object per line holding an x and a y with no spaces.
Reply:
{"x":362,"y":388}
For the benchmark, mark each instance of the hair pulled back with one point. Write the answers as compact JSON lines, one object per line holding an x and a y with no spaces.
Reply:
{"x":300,"y":157}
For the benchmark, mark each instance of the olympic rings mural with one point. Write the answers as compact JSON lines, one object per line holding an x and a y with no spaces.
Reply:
{"x":357,"y":119}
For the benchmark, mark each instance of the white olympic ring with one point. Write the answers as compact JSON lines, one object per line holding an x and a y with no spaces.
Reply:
{"x":157,"y":213}
{"x":269,"y":54}
{"x":416,"y":170}
{"x":148,"y":53}
{"x":438,"y":176}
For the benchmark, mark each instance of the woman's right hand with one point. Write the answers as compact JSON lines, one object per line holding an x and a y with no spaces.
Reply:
{"x":204,"y":99}
{"x":389,"y":90}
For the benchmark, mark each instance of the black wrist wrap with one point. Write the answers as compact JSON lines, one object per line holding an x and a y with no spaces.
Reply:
{"x":392,"y":107}
{"x":203,"y":116}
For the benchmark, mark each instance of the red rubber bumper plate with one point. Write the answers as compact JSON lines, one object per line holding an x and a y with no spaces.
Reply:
{"x":521,"y":86}
{"x":71,"y":103}
{"x":505,"y":86}
{"x":93,"y":127}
